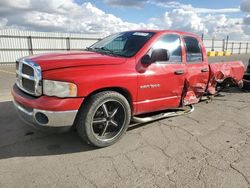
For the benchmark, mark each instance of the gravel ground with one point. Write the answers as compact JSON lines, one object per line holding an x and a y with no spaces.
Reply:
{"x":208,"y":148}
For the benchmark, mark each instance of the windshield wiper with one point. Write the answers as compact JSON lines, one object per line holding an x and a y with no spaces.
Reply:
{"x":89,"y":49}
{"x":105,"y":51}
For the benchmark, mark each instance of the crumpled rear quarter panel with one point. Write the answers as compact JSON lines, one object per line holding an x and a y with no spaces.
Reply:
{"x":221,"y":71}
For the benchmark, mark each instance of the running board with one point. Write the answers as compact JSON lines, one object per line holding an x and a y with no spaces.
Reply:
{"x":176,"y":112}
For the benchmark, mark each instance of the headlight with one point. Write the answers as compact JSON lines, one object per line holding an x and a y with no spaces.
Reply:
{"x":59,"y":89}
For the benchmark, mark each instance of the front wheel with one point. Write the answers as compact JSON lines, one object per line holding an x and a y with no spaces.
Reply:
{"x":103,"y":118}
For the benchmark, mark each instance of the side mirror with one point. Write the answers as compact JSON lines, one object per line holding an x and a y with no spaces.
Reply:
{"x":146,"y":60}
{"x":160,"y":55}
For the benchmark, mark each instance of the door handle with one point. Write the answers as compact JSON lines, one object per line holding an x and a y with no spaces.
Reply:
{"x":204,"y":70}
{"x":179,"y":72}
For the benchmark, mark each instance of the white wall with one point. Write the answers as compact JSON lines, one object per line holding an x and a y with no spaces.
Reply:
{"x":17,"y":39}
{"x":17,"y":43}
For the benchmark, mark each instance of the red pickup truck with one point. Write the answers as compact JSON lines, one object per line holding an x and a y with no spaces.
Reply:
{"x":116,"y":80}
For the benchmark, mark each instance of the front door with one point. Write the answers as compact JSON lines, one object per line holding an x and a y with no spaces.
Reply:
{"x":160,"y":84}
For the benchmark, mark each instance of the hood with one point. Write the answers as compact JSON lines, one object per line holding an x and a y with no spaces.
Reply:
{"x":73,"y":59}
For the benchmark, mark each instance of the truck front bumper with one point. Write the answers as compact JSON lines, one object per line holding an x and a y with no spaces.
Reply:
{"x":45,"y":118}
{"x":46,"y":111}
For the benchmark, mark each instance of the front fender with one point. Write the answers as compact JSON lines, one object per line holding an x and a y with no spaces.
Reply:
{"x":92,"y":78}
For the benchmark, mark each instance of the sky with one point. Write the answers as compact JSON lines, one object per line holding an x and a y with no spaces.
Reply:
{"x":213,"y":18}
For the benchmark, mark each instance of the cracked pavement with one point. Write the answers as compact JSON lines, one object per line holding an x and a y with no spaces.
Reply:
{"x":207,"y":148}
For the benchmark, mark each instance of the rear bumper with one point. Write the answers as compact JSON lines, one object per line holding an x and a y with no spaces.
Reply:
{"x":46,"y":111}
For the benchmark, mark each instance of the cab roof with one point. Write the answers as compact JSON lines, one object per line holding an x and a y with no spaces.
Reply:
{"x":169,"y":31}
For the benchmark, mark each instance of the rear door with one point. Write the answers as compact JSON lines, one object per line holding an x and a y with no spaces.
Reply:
{"x":161,"y":83}
{"x":196,"y":67}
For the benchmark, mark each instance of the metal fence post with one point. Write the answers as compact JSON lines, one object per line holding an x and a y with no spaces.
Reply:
{"x":202,"y":36}
{"x":68,"y":44}
{"x":30,"y":46}
{"x":213,"y":44}
{"x":232,"y":47}
{"x":227,"y":41}
{"x":223,"y":45}
{"x":240,"y":48}
{"x":247,"y":48}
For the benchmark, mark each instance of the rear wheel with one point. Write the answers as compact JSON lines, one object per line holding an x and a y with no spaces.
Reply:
{"x":103,"y":119}
{"x":228,"y":82}
{"x":246,"y":81}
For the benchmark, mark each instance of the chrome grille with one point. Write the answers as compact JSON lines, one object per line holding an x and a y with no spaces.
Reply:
{"x":29,"y":77}
{"x":27,"y":70}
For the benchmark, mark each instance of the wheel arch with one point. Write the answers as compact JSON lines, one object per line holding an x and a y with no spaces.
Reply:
{"x":122,"y":91}
{"x":225,"y":82}
{"x":228,"y":80}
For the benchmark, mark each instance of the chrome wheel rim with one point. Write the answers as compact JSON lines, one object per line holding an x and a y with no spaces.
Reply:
{"x":108,"y":120}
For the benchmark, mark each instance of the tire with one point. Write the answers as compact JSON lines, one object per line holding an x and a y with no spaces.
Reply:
{"x":224,"y":85}
{"x":246,"y":82}
{"x":248,"y":67}
{"x":103,"y":118}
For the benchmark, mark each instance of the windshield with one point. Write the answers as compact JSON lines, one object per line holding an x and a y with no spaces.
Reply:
{"x":125,"y":44}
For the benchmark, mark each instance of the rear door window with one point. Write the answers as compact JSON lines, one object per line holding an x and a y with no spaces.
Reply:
{"x":193,"y":49}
